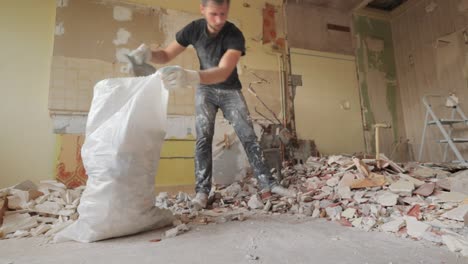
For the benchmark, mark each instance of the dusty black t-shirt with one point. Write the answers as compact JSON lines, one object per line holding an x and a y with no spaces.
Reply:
{"x":210,"y":50}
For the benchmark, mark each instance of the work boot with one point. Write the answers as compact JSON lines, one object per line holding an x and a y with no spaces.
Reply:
{"x":280,"y":190}
{"x":200,"y":201}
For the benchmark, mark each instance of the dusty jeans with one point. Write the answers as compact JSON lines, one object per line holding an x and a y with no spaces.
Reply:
{"x":207,"y":102}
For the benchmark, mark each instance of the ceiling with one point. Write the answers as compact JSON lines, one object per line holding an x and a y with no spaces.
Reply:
{"x":385,"y":5}
{"x":343,"y":5}
{"x":348,"y":5}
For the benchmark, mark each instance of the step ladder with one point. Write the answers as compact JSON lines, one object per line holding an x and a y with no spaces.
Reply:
{"x":445,"y":126}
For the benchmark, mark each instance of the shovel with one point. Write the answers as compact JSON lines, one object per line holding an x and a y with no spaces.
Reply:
{"x":140,"y":70}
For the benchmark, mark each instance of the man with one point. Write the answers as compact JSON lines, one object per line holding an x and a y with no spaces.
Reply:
{"x":219,"y":45}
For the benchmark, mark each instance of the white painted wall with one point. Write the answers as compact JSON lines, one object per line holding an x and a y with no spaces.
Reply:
{"x":327,"y":104}
{"x":26,"y":139}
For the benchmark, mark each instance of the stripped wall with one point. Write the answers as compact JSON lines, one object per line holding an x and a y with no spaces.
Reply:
{"x":328,"y":102}
{"x":92,"y":37}
{"x":308,"y":28}
{"x":430,"y":40}
{"x":380,"y":98}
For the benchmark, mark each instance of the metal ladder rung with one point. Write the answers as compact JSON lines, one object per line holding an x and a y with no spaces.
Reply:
{"x":455,"y":140}
{"x":447,"y":121}
{"x":441,"y":123}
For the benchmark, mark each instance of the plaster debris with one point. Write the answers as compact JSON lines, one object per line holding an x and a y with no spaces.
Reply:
{"x":426,"y":172}
{"x":416,"y":228}
{"x":255,"y":202}
{"x":349,"y":213}
{"x":425,"y":189}
{"x":402,"y":187}
{"x":385,"y":201}
{"x":415,"y":181}
{"x":444,"y":184}
{"x":39,"y":210}
{"x":176,"y":230}
{"x":455,"y":197}
{"x":459,"y":182}
{"x":457,"y":213}
{"x":393,"y":226}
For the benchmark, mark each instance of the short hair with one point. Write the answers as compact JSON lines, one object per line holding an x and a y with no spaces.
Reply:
{"x":219,"y":2}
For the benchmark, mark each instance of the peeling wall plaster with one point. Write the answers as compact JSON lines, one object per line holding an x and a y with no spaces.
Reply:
{"x":122,"y":13}
{"x":122,"y":37}
{"x":374,"y":44}
{"x":59,"y":29}
{"x":378,"y":85}
{"x":61,"y":3}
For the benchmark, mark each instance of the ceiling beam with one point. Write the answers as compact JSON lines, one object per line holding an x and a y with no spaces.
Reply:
{"x":403,"y":7}
{"x":373,"y":13}
{"x":361,"y":5}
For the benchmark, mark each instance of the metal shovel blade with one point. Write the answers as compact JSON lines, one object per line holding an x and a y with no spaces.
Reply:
{"x":140,"y":70}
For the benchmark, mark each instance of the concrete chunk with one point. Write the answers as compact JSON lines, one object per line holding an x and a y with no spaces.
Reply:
{"x":457,"y":213}
{"x":402,"y":187}
{"x":393,"y":226}
{"x":426,"y":172}
{"x":48,"y":208}
{"x":459,"y":182}
{"x":255,"y":202}
{"x":415,"y":181}
{"x":176,"y":230}
{"x":387,"y":199}
{"x":334,"y":212}
{"x":451,"y":197}
{"x":14,"y":222}
{"x":349,"y":213}
{"x":425,"y":189}
{"x":416,"y":228}
{"x":333,"y":182}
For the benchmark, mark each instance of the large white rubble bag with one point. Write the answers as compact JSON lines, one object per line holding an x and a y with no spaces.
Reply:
{"x":124,"y":134}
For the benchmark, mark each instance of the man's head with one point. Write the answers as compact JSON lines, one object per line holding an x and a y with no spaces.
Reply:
{"x":215,"y":13}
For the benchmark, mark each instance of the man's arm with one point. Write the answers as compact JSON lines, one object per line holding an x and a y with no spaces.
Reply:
{"x":163,"y":56}
{"x":225,"y":67}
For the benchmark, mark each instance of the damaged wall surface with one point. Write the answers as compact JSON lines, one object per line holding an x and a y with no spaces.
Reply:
{"x":327,"y":108}
{"x":431,"y":54}
{"x":380,"y":97}
{"x":92,"y":37}
{"x":319,"y":28}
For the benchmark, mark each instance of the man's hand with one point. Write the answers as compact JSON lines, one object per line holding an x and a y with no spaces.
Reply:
{"x":175,"y":77}
{"x":141,"y":55}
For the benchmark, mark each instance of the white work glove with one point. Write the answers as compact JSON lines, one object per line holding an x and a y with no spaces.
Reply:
{"x":175,"y":77}
{"x":141,"y":55}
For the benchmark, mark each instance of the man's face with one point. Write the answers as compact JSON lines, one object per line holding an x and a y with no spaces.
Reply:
{"x":215,"y":15}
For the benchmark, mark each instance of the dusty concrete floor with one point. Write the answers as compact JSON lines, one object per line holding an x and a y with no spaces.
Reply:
{"x":273,"y":239}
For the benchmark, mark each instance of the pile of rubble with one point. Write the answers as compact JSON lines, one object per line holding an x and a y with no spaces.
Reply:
{"x":420,"y":202}
{"x":28,"y":210}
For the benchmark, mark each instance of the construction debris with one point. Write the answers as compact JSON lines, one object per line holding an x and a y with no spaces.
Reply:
{"x":43,"y":210}
{"x":413,"y":201}
{"x":182,"y":228}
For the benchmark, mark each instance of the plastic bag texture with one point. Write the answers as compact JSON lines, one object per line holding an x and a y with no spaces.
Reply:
{"x":125,"y":131}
